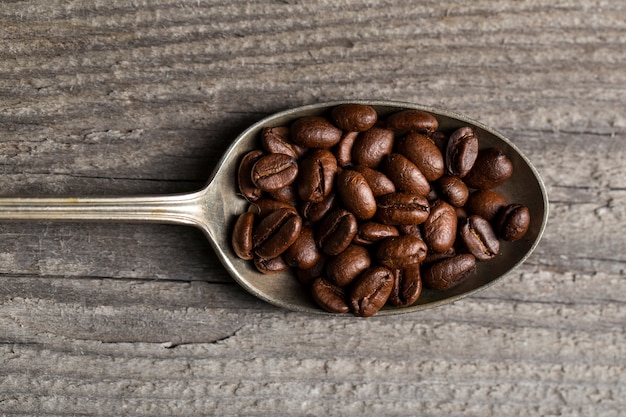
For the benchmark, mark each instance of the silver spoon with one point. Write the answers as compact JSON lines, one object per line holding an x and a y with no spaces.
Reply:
{"x":214,"y":208}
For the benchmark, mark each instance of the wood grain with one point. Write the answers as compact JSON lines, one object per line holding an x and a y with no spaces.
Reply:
{"x":113,"y":97}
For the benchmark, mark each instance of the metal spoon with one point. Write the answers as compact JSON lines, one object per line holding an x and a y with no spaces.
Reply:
{"x":214,"y":208}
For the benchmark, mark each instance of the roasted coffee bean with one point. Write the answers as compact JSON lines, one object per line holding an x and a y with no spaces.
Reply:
{"x":286,"y":194}
{"x":407,"y":286}
{"x":401,"y":252}
{"x":402,"y":209}
{"x":264,"y":206}
{"x":372,"y":232}
{"x":461,"y":152}
{"x":479,"y":238}
{"x":274,"y":171}
{"x":491,"y":169}
{"x":307,"y":276}
{"x":423,"y":152}
{"x":343,"y":150}
{"x":410,"y":229}
{"x":275,"y":233}
{"x":303,"y":253}
{"x":378,"y":182}
{"x":412,"y":121}
{"x":354,"y":117}
{"x":314,"y":132}
{"x":512,"y":222}
{"x":270,"y":266}
{"x":440,"y":140}
{"x":242,"y":236}
{"x":439,"y":229}
{"x":485,"y":203}
{"x":405,"y":175}
{"x":371,"y":291}
{"x":247,"y":187}
{"x":356,"y":194}
{"x":449,"y":272}
{"x":316,"y":211}
{"x":276,"y":140}
{"x":453,"y":190}
{"x":329,"y":296}
{"x":371,"y":146}
{"x":433,"y":257}
{"x":345,"y":267}
{"x":336,"y":231}
{"x":317,"y":175}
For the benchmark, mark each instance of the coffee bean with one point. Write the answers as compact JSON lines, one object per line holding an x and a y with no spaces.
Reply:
{"x":372,"y":232}
{"x":276,"y":140}
{"x":264,"y":206}
{"x":343,"y":150}
{"x":512,"y":222}
{"x":423,"y":152}
{"x":371,"y":291}
{"x":314,"y":132}
{"x":345,"y":267}
{"x":316,"y":211}
{"x":244,"y":176}
{"x":354,"y":117}
{"x":242,"y":236}
{"x":401,"y":251}
{"x":371,"y":146}
{"x":355,"y":194}
{"x":336,"y":231}
{"x":307,"y":276}
{"x":407,"y":286}
{"x":402,"y":209}
{"x":303,"y":253}
{"x":274,"y":171}
{"x":275,"y":233}
{"x":485,"y":203}
{"x":449,"y":272}
{"x":440,"y":228}
{"x":412,"y":121}
{"x":287,"y":194}
{"x":270,"y":266}
{"x":317,"y":175}
{"x":479,"y":238}
{"x":405,"y":175}
{"x":461,"y":152}
{"x":491,"y":169}
{"x":329,"y":296}
{"x":378,"y":182}
{"x":453,"y":190}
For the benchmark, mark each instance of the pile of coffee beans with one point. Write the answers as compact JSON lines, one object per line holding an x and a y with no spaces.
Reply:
{"x":367,"y":210}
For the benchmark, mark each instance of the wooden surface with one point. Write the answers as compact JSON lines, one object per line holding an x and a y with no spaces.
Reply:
{"x":114,"y":97}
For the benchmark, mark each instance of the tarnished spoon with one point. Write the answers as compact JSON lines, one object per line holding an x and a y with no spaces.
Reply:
{"x":214,"y":208}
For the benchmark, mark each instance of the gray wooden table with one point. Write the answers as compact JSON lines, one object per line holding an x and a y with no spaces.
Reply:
{"x":115,"y":97}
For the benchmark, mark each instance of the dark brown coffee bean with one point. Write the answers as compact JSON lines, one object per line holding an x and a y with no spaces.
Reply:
{"x":402,"y":209}
{"x":378,"y":182}
{"x":354,"y":117}
{"x":407,"y":286}
{"x":264,"y":206}
{"x":372,"y":232}
{"x":329,"y":296}
{"x":371,"y":146}
{"x":491,"y":169}
{"x":242,"y":236}
{"x":453,"y":190}
{"x":336,"y":231}
{"x":303,"y":253}
{"x":314,"y":132}
{"x":412,"y":121}
{"x":343,"y":150}
{"x":401,"y":252}
{"x":479,"y":238}
{"x":485,"y":203}
{"x":286,"y":194}
{"x":276,"y":140}
{"x":270,"y":266}
{"x":316,"y":211}
{"x":345,"y":267}
{"x":274,"y":171}
{"x":356,"y":194}
{"x":432,"y":257}
{"x":410,"y":229}
{"x":439,"y":229}
{"x":307,"y":276}
{"x":461,"y":151}
{"x":371,"y":291}
{"x":317,"y":175}
{"x":449,"y":272}
{"x":512,"y":222}
{"x":275,"y":233}
{"x":423,"y":152}
{"x":440,"y":140}
{"x":405,"y":175}
{"x":244,"y":176}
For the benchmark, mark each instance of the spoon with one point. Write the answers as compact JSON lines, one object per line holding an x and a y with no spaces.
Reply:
{"x":214,"y":208}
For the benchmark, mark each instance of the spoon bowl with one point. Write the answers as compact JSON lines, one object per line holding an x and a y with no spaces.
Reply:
{"x":216,"y":206}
